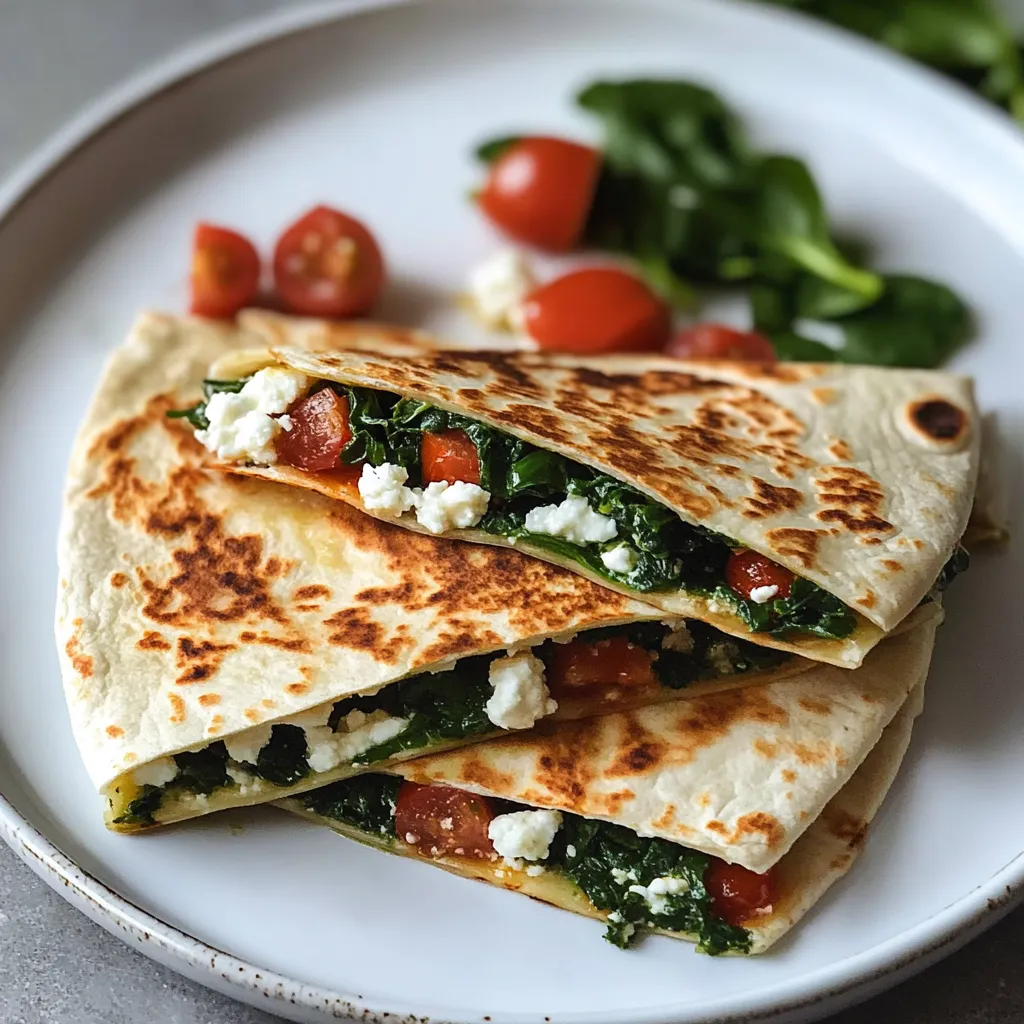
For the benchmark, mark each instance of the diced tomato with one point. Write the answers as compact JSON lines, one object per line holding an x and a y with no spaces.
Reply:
{"x":225,"y":272}
{"x":539,"y":191}
{"x":611,"y":662}
{"x":328,"y":264}
{"x":739,"y":894}
{"x":716,"y":341}
{"x":444,"y":819}
{"x":319,"y":432}
{"x":748,"y":569}
{"x":598,"y":309}
{"x":449,"y":456}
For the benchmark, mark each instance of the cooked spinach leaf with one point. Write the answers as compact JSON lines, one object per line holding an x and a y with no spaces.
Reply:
{"x":202,"y":771}
{"x":366,"y":801}
{"x":140,"y":811}
{"x":196,"y":414}
{"x":282,"y":759}
{"x":958,"y":562}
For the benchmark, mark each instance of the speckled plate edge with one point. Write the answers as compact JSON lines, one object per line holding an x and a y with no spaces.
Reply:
{"x":824,"y":991}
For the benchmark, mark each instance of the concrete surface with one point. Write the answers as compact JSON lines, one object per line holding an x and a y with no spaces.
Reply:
{"x":56,"y":967}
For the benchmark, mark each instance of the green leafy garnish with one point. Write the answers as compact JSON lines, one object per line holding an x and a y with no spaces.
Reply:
{"x":196,"y":414}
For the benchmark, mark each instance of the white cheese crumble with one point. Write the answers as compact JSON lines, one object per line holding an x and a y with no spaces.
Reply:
{"x":621,"y":876}
{"x":383,"y":489}
{"x":573,"y":520}
{"x":243,"y":425}
{"x":497,"y":288}
{"x":679,"y":639}
{"x":535,"y":869}
{"x":760,"y":595}
{"x":357,"y":732}
{"x":524,"y":835}
{"x":443,"y":506}
{"x":155,"y":773}
{"x":620,"y":559}
{"x":720,"y":656}
{"x":657,"y":893}
{"x":570,"y":850}
{"x":520,"y":695}
{"x":628,"y":927}
{"x":245,"y":746}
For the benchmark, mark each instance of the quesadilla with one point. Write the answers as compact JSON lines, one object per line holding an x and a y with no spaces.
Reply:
{"x":225,"y":641}
{"x":809,"y":508}
{"x":720,"y":820}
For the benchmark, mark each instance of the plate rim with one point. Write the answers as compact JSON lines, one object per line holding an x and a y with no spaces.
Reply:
{"x":825,"y":990}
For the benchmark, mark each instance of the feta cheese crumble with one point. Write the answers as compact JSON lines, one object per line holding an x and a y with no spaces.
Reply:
{"x":520,"y":695}
{"x":383,"y":489}
{"x":621,"y":559}
{"x":621,"y":876}
{"x":524,"y":835}
{"x":443,"y":506}
{"x":679,"y":639}
{"x":245,"y":746}
{"x":628,"y":928}
{"x":497,"y":288}
{"x":355,"y":734}
{"x":243,"y":424}
{"x":155,"y":773}
{"x":657,"y":893}
{"x":760,"y":595}
{"x":573,"y":520}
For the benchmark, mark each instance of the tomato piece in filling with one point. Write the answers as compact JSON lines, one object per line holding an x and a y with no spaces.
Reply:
{"x":716,"y":341}
{"x":739,"y":894}
{"x":449,"y":456}
{"x":612,"y":662}
{"x":440,"y":819}
{"x":747,"y":571}
{"x":319,"y":432}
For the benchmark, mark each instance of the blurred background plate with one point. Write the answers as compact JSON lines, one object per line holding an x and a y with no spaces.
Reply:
{"x":375,"y":107}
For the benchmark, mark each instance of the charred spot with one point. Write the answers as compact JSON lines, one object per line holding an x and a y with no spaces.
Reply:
{"x":315,"y":592}
{"x":844,"y":826}
{"x":809,"y":755}
{"x":717,"y":826}
{"x":638,"y":759}
{"x":788,"y":775}
{"x":297,"y":688}
{"x":81,"y":663}
{"x":769,"y":500}
{"x":199,"y":661}
{"x":354,"y":628}
{"x":539,"y":419}
{"x":177,"y":708}
{"x":283,"y":643}
{"x":477,"y":772}
{"x":759,"y":824}
{"x":938,"y":419}
{"x":402,"y":594}
{"x":892,"y":565}
{"x":851,"y":498}
{"x":815,"y":707}
{"x":152,"y":641}
{"x":841,"y":451}
{"x":119,"y":580}
{"x":707,"y":720}
{"x":798,"y":544}
{"x":208,"y":700}
{"x":869,"y":600}
{"x":764,"y":748}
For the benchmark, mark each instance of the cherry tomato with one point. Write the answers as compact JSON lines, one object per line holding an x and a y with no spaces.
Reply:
{"x":225,"y":272}
{"x":444,"y":819}
{"x":599,"y":309}
{"x":748,"y":569}
{"x":328,"y":264}
{"x":716,"y":341}
{"x":319,"y":432}
{"x":539,"y":191}
{"x":611,"y":662}
{"x":739,"y":894}
{"x":449,"y":456}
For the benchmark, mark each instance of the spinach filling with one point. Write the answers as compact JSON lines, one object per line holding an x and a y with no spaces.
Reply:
{"x":446,"y":706}
{"x":602,"y":859}
{"x":670,"y":554}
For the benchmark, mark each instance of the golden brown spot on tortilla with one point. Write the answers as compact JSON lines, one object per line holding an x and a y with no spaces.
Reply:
{"x":770,"y":500}
{"x":355,"y":628}
{"x":118,"y":580}
{"x":918,"y":544}
{"x":297,"y":688}
{"x":764,"y":748}
{"x":799,"y":544}
{"x":611,"y":803}
{"x":869,"y":600}
{"x":938,"y":419}
{"x":114,"y":731}
{"x":717,"y":826}
{"x":81,"y":663}
{"x":199,"y":661}
{"x":840,"y":450}
{"x":892,"y":565}
{"x":840,"y":863}
{"x":252,"y":715}
{"x":664,"y":820}
{"x":464,"y":638}
{"x":824,"y":396}
{"x":177,"y":708}
{"x":853,"y":831}
{"x":267,"y":640}
{"x":815,"y":707}
{"x":788,"y":775}
{"x":809,"y":756}
{"x":209,"y":700}
{"x":314,"y":592}
{"x":759,"y":823}
{"x":268,"y":703}
{"x":851,"y":499}
{"x":215,"y":725}
{"x":153,"y":642}
{"x":477,"y":772}
{"x":704,"y":801}
{"x":130,"y":758}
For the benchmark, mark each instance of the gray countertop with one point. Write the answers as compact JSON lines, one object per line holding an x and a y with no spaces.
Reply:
{"x":56,"y":967}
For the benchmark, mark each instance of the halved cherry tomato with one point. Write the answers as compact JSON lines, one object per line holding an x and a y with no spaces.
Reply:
{"x":611,"y":662}
{"x":328,"y":264}
{"x":716,"y":341}
{"x":539,"y":191}
{"x":739,"y":894}
{"x":599,"y":309}
{"x":449,"y":456}
{"x":443,"y":819}
{"x":748,"y":569}
{"x":225,"y":272}
{"x":319,"y":431}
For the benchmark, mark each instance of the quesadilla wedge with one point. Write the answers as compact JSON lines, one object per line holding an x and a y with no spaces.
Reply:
{"x":721,"y":820}
{"x":225,"y":641}
{"x":809,"y":508}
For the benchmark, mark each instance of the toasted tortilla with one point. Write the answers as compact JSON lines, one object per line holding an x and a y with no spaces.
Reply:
{"x":860,"y":479}
{"x":822,"y":854}
{"x":193,"y":606}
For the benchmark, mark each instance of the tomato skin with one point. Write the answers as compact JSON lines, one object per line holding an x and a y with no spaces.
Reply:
{"x":716,"y":341}
{"x":320,"y":430}
{"x":328,"y":264}
{"x":739,"y":894}
{"x":225,"y":274}
{"x":422,"y":811}
{"x":597,"y":309}
{"x":449,"y":456}
{"x":611,"y":662}
{"x":539,"y":191}
{"x":748,"y":569}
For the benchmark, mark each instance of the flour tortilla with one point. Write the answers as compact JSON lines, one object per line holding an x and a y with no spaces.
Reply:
{"x":837,"y":472}
{"x":195,"y":605}
{"x":819,"y":857}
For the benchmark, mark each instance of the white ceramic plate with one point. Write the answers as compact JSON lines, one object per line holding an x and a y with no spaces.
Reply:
{"x":377,"y":112}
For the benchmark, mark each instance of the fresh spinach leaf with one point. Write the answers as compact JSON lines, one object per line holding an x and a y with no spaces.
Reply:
{"x":196,"y":414}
